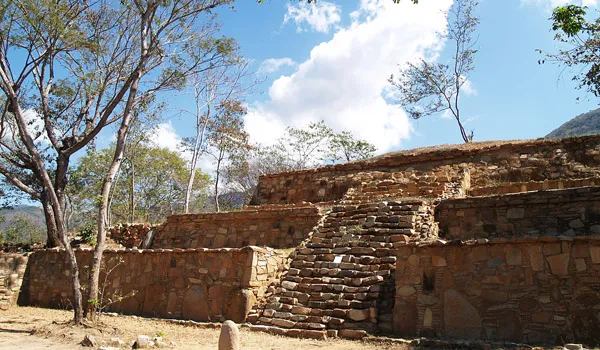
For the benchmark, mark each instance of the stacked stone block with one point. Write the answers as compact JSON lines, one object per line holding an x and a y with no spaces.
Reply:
{"x":535,"y":290}
{"x":275,"y":227}
{"x":12,"y":271}
{"x":569,"y":212}
{"x":341,"y":281}
{"x":194,"y":284}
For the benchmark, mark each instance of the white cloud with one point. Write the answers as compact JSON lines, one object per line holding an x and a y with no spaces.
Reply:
{"x":271,"y":65}
{"x":344,"y":81}
{"x":468,"y":89}
{"x":319,"y":16}
{"x":549,"y":4}
{"x":164,"y":135}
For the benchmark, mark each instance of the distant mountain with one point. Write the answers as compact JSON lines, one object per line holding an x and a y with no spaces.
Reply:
{"x":34,"y":215}
{"x":584,"y":124}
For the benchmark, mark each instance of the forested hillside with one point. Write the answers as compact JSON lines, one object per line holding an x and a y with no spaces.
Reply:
{"x":584,"y":124}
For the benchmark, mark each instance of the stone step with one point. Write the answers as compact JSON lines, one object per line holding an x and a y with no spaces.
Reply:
{"x":310,"y":334}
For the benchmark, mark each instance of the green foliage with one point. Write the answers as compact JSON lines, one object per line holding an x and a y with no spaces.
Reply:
{"x":88,"y":232}
{"x":314,"y":1}
{"x":21,"y":231}
{"x":568,"y":19}
{"x":159,"y":178}
{"x":584,"y":124}
{"x":307,"y":147}
{"x":582,"y":39}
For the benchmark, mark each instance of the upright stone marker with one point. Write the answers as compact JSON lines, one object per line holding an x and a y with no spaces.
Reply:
{"x":229,"y":339}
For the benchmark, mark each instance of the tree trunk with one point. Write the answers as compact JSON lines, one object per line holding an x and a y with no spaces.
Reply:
{"x":52,"y":240}
{"x":93,"y":286}
{"x":132,"y":194}
{"x":196,"y":153}
{"x":217,"y":208}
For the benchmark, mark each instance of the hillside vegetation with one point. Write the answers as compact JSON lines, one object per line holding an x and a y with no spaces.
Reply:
{"x":584,"y":124}
{"x":33,"y":214}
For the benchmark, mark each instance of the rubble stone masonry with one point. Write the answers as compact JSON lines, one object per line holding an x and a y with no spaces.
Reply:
{"x":569,"y":212}
{"x":282,"y":227}
{"x":195,"y":284}
{"x":12,"y":269}
{"x":544,"y":290}
{"x":490,"y":163}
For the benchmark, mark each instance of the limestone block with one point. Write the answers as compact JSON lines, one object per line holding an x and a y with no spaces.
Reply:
{"x":352,"y":333}
{"x":461,"y":319}
{"x":536,"y":257}
{"x":577,"y":223}
{"x":595,"y":254}
{"x":283,"y":323}
{"x":559,"y":264}
{"x":515,"y":213}
{"x":195,"y":304}
{"x":428,"y":319}
{"x":229,"y":338}
{"x":405,"y":291}
{"x":552,"y":248}
{"x":580,"y":265}
{"x":358,"y":314}
{"x":438,"y":261}
{"x":239,"y":304}
{"x":514,"y":256}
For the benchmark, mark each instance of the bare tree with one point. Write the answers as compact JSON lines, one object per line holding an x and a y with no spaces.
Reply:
{"x":425,"y":87}
{"x":213,"y":88}
{"x":226,"y":138}
{"x":68,"y":70}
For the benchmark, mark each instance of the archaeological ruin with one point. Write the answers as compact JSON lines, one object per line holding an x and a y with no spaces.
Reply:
{"x":494,"y":241}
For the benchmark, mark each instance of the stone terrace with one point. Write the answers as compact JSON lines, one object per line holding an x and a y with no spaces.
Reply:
{"x":371,"y":252}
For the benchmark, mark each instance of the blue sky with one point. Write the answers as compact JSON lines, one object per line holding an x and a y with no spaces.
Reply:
{"x":331,"y":61}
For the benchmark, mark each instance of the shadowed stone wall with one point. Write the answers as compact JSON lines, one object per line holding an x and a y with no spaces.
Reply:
{"x":196,"y":284}
{"x":544,"y":290}
{"x":12,"y":270}
{"x":568,"y":212}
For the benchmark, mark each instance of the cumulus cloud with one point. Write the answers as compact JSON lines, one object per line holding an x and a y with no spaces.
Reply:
{"x":320,"y":16}
{"x":344,"y":81}
{"x":271,"y":65}
{"x":164,"y":135}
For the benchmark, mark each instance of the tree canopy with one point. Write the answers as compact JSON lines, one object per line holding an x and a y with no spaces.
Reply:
{"x":582,"y":41}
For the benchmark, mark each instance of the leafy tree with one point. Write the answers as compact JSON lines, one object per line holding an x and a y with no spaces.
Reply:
{"x":68,"y":70}
{"x":344,"y":147}
{"x":212,"y":88}
{"x":583,"y":41}
{"x":227,"y":138}
{"x":314,"y":1}
{"x":158,"y":190}
{"x":302,"y":148}
{"x":299,"y":148}
{"x":427,"y":88}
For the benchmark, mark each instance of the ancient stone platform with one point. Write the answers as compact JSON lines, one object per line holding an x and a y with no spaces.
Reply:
{"x":492,"y":240}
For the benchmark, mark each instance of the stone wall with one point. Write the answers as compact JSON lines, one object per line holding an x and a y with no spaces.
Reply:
{"x":196,"y":284}
{"x":279,"y":227}
{"x":490,"y":163}
{"x":12,"y":270}
{"x":569,"y":212}
{"x":543,"y":290}
{"x":528,"y":186}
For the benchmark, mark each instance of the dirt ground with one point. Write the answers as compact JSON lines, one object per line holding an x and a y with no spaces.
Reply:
{"x":36,"y":328}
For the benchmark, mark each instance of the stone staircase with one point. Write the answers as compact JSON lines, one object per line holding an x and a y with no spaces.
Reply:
{"x":341,"y":281}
